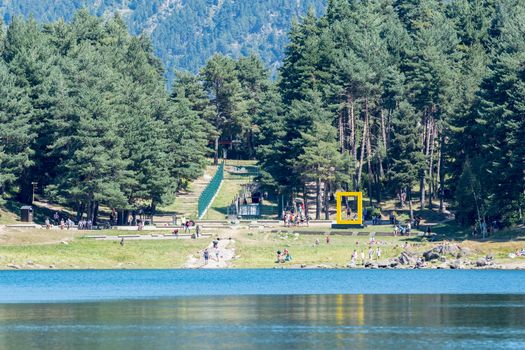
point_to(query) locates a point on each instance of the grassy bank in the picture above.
(90, 254)
(254, 248)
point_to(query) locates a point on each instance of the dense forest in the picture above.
(186, 33)
(85, 118)
(417, 100)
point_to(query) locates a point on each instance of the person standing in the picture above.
(206, 256)
(56, 218)
(370, 254)
(198, 231)
(378, 253)
(354, 257)
(362, 257)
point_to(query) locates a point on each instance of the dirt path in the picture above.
(225, 252)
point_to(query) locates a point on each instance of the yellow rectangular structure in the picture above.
(358, 220)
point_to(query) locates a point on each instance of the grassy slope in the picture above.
(6, 217)
(231, 186)
(83, 253)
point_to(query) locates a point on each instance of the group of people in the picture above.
(290, 219)
(283, 256)
(517, 253)
(215, 250)
(373, 254)
(67, 223)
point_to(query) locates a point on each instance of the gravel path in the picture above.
(220, 257)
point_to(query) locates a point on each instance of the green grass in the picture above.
(7, 217)
(87, 254)
(219, 208)
(258, 250)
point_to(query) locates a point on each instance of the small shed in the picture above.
(26, 213)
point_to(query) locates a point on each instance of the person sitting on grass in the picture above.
(287, 256)
(279, 257)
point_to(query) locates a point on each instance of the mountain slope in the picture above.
(186, 33)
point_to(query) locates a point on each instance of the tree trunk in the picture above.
(362, 156)
(216, 151)
(80, 210)
(383, 128)
(95, 213)
(352, 127)
(431, 168)
(369, 163)
(441, 175)
(153, 210)
(318, 199)
(305, 199)
(326, 201)
(341, 130)
(426, 140)
(90, 209)
(409, 193)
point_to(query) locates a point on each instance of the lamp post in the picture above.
(34, 183)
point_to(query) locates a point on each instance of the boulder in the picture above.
(431, 255)
(406, 258)
(370, 265)
(481, 263)
(489, 257)
(463, 252)
(455, 265)
(14, 266)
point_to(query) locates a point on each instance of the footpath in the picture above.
(220, 257)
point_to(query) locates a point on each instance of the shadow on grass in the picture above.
(39, 213)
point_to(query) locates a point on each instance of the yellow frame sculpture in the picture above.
(339, 202)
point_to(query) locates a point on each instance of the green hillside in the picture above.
(185, 33)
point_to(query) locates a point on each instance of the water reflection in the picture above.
(262, 322)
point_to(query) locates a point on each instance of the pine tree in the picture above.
(220, 81)
(408, 161)
(15, 130)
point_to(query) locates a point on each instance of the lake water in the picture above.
(262, 309)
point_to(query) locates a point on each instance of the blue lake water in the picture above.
(262, 309)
